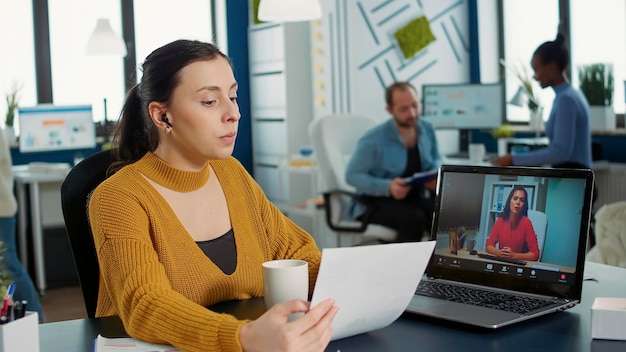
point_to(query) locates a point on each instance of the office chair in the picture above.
(610, 247)
(334, 138)
(540, 225)
(75, 192)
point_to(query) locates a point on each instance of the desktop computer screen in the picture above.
(463, 106)
(52, 127)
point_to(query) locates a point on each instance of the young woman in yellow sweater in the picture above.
(180, 225)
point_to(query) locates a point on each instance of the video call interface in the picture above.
(472, 204)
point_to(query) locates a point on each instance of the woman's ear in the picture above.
(554, 68)
(156, 111)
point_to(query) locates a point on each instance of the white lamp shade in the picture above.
(519, 98)
(104, 41)
(289, 10)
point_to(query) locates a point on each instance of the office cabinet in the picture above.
(281, 110)
(302, 189)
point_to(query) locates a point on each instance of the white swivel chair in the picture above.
(334, 138)
(610, 226)
(540, 225)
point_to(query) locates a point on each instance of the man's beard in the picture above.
(406, 124)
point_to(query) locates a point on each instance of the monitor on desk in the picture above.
(52, 127)
(463, 105)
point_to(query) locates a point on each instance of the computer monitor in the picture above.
(463, 106)
(51, 127)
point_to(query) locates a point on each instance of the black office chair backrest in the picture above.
(75, 191)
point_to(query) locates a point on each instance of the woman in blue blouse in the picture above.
(567, 127)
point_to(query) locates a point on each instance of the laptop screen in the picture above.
(517, 228)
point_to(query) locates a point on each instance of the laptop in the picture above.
(470, 279)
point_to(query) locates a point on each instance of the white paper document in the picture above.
(371, 285)
(104, 344)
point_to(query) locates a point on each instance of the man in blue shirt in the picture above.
(385, 155)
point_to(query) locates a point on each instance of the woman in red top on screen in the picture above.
(513, 231)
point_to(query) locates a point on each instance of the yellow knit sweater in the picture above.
(156, 278)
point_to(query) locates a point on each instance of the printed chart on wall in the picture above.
(48, 128)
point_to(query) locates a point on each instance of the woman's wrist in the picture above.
(243, 336)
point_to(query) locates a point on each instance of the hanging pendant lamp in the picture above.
(289, 10)
(104, 41)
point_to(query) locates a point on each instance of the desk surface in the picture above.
(40, 172)
(566, 331)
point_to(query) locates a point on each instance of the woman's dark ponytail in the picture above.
(135, 134)
(560, 39)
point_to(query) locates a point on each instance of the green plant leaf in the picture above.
(12, 99)
(596, 83)
(5, 280)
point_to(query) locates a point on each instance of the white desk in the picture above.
(49, 179)
(464, 161)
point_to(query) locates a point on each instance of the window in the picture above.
(81, 79)
(158, 22)
(76, 77)
(527, 24)
(598, 34)
(17, 62)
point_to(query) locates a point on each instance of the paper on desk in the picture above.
(105, 344)
(371, 285)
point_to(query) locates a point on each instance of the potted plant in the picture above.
(528, 91)
(596, 84)
(5, 280)
(12, 98)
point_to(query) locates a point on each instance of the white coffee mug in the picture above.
(284, 280)
(476, 153)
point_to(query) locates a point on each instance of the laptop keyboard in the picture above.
(478, 297)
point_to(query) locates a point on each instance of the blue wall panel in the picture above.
(237, 27)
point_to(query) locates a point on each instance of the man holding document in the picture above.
(385, 160)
